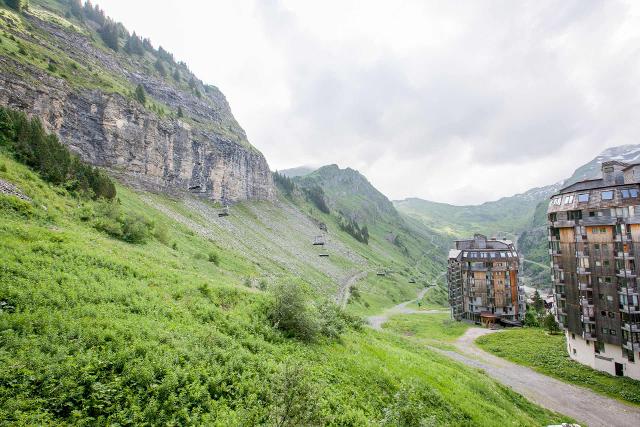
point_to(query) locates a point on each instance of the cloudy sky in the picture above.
(454, 101)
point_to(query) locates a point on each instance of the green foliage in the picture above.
(176, 75)
(550, 324)
(351, 227)
(129, 227)
(180, 113)
(160, 68)
(294, 399)
(45, 154)
(133, 45)
(538, 303)
(18, 5)
(416, 404)
(214, 258)
(15, 206)
(548, 354)
(110, 35)
(531, 318)
(141, 95)
(161, 233)
(291, 311)
(315, 194)
(284, 183)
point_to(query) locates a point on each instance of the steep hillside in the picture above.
(122, 104)
(175, 328)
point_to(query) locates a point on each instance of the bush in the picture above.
(161, 233)
(136, 229)
(131, 228)
(294, 398)
(417, 404)
(531, 318)
(16, 206)
(214, 258)
(550, 324)
(292, 312)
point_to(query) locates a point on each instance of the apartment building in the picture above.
(482, 276)
(594, 246)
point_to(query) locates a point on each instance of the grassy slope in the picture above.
(431, 329)
(105, 331)
(547, 354)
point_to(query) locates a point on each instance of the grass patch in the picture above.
(432, 329)
(547, 354)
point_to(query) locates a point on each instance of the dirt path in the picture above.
(536, 263)
(344, 289)
(579, 403)
(376, 322)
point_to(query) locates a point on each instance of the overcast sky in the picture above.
(452, 101)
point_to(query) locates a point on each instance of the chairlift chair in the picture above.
(318, 241)
(224, 212)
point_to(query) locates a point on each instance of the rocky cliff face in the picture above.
(206, 153)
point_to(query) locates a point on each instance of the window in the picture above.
(607, 195)
(592, 213)
(574, 215)
(627, 193)
(553, 217)
(583, 198)
(612, 332)
(573, 336)
(568, 199)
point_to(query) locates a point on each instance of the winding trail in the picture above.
(376, 322)
(344, 289)
(580, 403)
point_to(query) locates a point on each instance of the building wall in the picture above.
(583, 351)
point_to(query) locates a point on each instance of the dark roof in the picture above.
(588, 184)
(631, 165)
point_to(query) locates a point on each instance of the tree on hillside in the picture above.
(160, 67)
(531, 319)
(109, 34)
(18, 5)
(180, 113)
(76, 8)
(141, 95)
(538, 303)
(133, 46)
(176, 75)
(550, 324)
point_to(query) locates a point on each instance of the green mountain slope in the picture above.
(94, 330)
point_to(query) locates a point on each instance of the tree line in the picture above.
(30, 144)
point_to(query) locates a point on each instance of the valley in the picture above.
(154, 270)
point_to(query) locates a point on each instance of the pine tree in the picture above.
(176, 75)
(109, 34)
(134, 46)
(76, 8)
(160, 67)
(17, 5)
(141, 95)
(551, 324)
(538, 303)
(180, 113)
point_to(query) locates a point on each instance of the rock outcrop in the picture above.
(206, 153)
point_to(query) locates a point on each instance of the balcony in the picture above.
(585, 287)
(631, 327)
(599, 220)
(584, 254)
(633, 346)
(588, 320)
(623, 255)
(589, 336)
(628, 291)
(564, 223)
(622, 238)
(629, 308)
(583, 270)
(626, 273)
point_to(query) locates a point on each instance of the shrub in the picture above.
(141, 95)
(214, 258)
(531, 318)
(3, 167)
(550, 324)
(174, 246)
(417, 404)
(136, 229)
(294, 398)
(16, 206)
(161, 233)
(291, 311)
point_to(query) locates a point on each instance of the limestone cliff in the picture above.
(205, 152)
